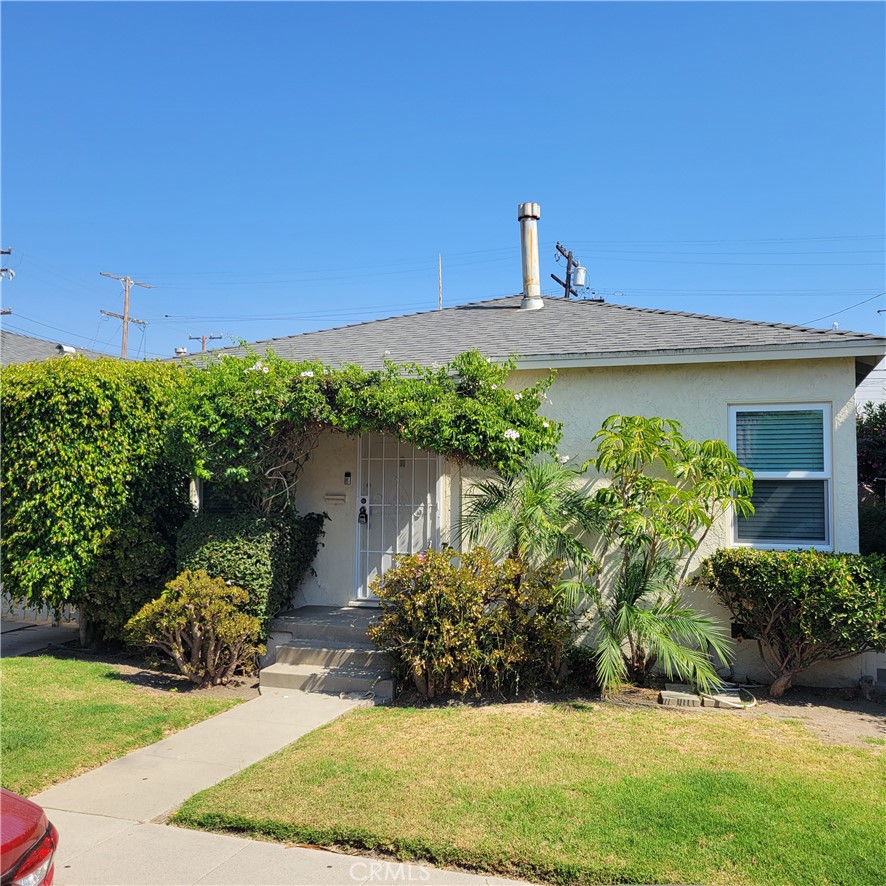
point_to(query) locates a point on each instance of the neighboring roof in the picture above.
(17, 348)
(564, 332)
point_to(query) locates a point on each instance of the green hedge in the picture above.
(803, 606)
(872, 528)
(266, 556)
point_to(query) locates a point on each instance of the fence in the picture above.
(16, 610)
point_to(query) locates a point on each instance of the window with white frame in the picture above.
(789, 450)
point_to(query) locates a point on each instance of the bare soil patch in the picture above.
(153, 676)
(834, 716)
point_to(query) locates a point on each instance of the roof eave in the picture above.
(824, 350)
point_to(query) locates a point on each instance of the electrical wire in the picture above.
(843, 310)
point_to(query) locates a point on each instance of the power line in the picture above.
(843, 310)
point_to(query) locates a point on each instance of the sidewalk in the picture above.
(20, 638)
(108, 818)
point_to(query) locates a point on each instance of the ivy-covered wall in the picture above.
(96, 455)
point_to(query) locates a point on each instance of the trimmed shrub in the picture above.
(198, 623)
(802, 606)
(474, 625)
(82, 459)
(267, 556)
(872, 528)
(133, 563)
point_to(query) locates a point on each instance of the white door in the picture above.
(397, 509)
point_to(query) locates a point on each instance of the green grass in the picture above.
(63, 716)
(572, 794)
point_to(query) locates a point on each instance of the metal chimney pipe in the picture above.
(528, 215)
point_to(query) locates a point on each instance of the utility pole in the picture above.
(6, 272)
(203, 339)
(571, 262)
(439, 281)
(127, 282)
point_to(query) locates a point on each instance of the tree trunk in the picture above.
(89, 632)
(781, 685)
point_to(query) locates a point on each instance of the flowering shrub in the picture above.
(468, 626)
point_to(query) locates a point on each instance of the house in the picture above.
(782, 396)
(17, 348)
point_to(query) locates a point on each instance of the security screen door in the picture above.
(398, 489)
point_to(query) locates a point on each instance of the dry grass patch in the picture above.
(584, 794)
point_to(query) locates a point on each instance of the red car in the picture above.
(28, 841)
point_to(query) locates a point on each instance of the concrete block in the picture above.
(679, 699)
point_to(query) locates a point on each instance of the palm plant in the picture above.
(644, 622)
(534, 517)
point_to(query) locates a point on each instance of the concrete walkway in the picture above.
(108, 818)
(20, 638)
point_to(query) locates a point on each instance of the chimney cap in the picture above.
(528, 210)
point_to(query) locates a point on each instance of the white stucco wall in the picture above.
(697, 395)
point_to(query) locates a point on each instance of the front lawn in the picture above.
(573, 794)
(63, 716)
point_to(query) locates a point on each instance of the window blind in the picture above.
(783, 440)
(786, 512)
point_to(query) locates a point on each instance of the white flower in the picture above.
(257, 367)
(511, 434)
(307, 374)
(545, 424)
(495, 387)
(518, 396)
(264, 369)
(325, 372)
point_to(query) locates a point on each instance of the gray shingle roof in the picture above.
(563, 328)
(17, 348)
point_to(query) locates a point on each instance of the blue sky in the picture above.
(278, 167)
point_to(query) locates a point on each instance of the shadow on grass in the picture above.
(138, 670)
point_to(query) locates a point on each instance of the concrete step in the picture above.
(347, 625)
(312, 678)
(329, 654)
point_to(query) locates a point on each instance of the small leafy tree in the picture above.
(663, 495)
(802, 607)
(199, 624)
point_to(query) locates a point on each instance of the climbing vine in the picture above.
(249, 424)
